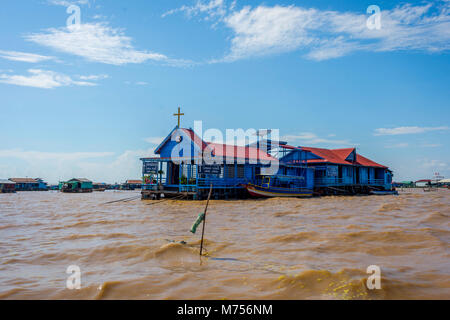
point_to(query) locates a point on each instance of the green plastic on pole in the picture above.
(197, 222)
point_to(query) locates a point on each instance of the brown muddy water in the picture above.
(315, 248)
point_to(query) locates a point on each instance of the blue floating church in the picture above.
(187, 166)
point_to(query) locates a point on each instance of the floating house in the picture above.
(341, 171)
(132, 185)
(404, 184)
(42, 184)
(99, 186)
(187, 166)
(76, 185)
(7, 186)
(444, 183)
(423, 183)
(29, 184)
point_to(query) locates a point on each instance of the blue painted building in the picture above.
(187, 166)
(346, 171)
(7, 186)
(29, 184)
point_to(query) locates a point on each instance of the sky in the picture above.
(88, 87)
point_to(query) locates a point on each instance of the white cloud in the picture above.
(54, 166)
(57, 156)
(66, 3)
(94, 77)
(154, 140)
(23, 56)
(433, 164)
(431, 145)
(212, 9)
(308, 138)
(264, 30)
(125, 166)
(398, 145)
(407, 130)
(137, 83)
(42, 79)
(98, 42)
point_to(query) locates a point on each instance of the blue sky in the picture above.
(88, 100)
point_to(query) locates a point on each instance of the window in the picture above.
(320, 173)
(349, 171)
(240, 171)
(229, 171)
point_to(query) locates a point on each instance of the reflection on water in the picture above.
(259, 249)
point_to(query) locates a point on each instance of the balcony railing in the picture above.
(318, 182)
(221, 182)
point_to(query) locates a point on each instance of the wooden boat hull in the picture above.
(384, 193)
(77, 191)
(271, 192)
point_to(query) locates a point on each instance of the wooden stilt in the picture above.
(204, 219)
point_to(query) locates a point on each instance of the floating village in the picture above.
(188, 167)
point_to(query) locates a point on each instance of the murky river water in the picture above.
(315, 248)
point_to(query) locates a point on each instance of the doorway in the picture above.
(174, 173)
(357, 175)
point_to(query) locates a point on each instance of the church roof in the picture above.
(221, 150)
(339, 156)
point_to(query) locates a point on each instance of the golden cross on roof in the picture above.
(179, 114)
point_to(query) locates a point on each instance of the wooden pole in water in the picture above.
(204, 219)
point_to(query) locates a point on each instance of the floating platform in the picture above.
(76, 191)
(384, 193)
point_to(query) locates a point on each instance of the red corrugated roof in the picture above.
(194, 137)
(228, 151)
(134, 181)
(23, 180)
(245, 152)
(338, 156)
(286, 146)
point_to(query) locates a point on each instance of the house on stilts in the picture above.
(344, 171)
(187, 166)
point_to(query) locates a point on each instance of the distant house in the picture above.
(25, 184)
(76, 185)
(423, 183)
(444, 182)
(29, 184)
(42, 184)
(99, 186)
(7, 186)
(132, 184)
(404, 184)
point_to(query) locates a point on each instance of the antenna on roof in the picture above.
(263, 132)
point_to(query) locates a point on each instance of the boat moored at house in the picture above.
(76, 185)
(99, 186)
(132, 184)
